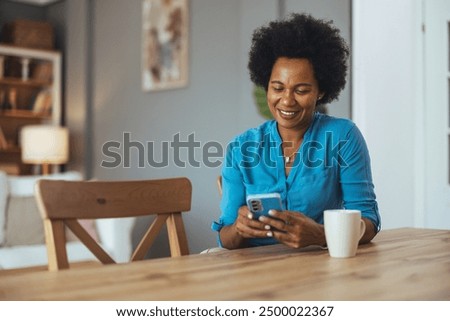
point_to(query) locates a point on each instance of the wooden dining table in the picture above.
(399, 264)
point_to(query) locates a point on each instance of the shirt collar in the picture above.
(276, 135)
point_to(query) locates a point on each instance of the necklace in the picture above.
(290, 158)
(287, 159)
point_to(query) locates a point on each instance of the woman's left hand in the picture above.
(294, 229)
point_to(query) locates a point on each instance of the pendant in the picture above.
(287, 159)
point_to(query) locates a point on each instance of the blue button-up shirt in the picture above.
(331, 170)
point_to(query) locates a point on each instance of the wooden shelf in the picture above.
(11, 150)
(11, 154)
(12, 162)
(42, 88)
(28, 52)
(20, 113)
(11, 81)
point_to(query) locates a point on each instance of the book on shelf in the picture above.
(42, 71)
(3, 141)
(43, 102)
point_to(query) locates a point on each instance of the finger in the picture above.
(276, 214)
(245, 212)
(257, 235)
(247, 220)
(281, 220)
(274, 222)
(281, 215)
(257, 224)
(260, 231)
(285, 238)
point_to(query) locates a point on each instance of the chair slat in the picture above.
(55, 239)
(177, 235)
(219, 184)
(89, 242)
(149, 237)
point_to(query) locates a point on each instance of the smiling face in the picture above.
(292, 94)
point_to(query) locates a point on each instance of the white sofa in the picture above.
(21, 229)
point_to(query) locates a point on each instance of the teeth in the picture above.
(287, 113)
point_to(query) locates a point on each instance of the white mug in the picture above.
(343, 230)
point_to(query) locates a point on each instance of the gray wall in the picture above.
(340, 13)
(255, 13)
(78, 81)
(208, 107)
(10, 11)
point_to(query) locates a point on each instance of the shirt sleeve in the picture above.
(356, 177)
(233, 190)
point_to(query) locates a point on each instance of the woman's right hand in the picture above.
(235, 236)
(247, 227)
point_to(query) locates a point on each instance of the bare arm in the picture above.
(370, 232)
(230, 238)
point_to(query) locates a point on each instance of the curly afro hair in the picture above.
(301, 36)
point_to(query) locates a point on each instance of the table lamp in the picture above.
(44, 145)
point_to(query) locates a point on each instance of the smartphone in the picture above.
(261, 204)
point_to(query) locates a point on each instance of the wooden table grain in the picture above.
(399, 264)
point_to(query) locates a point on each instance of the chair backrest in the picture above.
(219, 184)
(62, 203)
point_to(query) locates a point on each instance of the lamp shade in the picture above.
(44, 144)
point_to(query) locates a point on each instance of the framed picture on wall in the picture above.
(165, 45)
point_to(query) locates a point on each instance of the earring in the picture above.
(319, 98)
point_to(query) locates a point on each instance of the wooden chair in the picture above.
(219, 184)
(64, 202)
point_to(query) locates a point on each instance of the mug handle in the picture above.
(362, 227)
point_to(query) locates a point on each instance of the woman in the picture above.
(315, 162)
